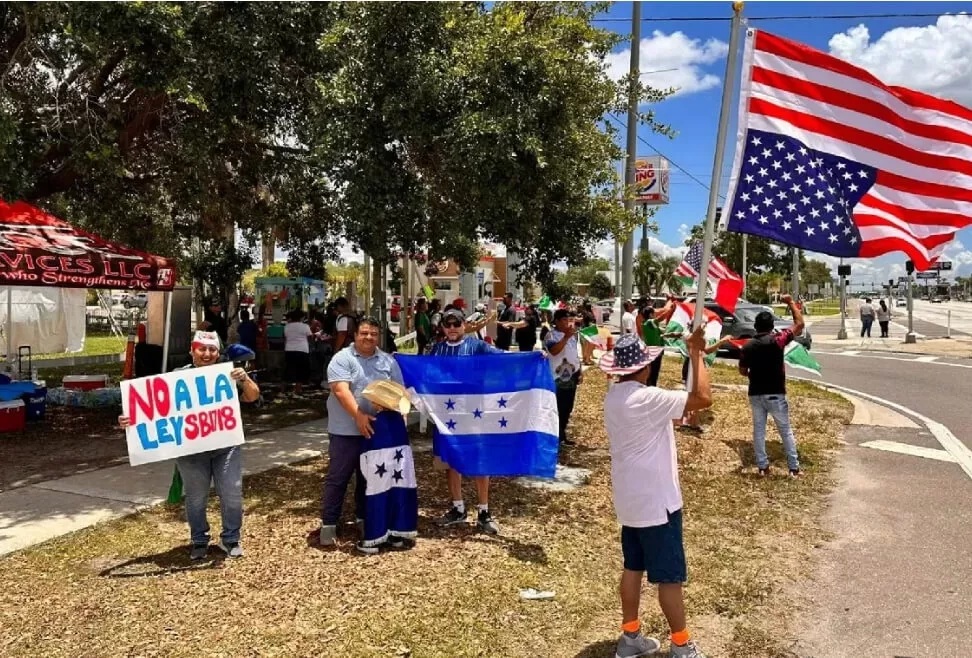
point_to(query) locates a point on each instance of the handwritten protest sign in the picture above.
(181, 413)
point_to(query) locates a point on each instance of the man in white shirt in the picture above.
(644, 479)
(628, 319)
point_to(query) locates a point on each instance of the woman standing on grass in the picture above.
(296, 350)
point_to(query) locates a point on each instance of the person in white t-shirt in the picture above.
(628, 320)
(296, 350)
(644, 480)
(560, 344)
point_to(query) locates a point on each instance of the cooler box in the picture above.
(36, 402)
(85, 382)
(13, 416)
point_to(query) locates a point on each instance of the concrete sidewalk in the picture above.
(825, 335)
(31, 515)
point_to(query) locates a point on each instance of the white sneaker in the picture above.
(637, 646)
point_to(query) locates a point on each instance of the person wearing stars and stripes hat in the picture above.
(644, 483)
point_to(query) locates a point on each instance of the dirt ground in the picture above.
(127, 587)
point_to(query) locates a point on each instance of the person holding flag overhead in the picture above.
(645, 486)
(762, 361)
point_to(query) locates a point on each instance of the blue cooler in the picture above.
(36, 402)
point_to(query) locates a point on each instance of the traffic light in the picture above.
(891, 283)
(843, 270)
(909, 267)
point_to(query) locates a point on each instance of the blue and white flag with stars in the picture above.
(391, 497)
(494, 414)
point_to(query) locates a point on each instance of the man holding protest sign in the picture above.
(179, 415)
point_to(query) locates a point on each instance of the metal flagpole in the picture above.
(910, 336)
(8, 329)
(727, 92)
(168, 329)
(795, 283)
(627, 252)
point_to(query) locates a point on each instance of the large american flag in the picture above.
(832, 160)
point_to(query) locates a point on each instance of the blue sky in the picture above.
(919, 52)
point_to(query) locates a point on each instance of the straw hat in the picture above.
(388, 395)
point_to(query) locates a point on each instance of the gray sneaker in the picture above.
(231, 548)
(634, 647)
(328, 536)
(359, 523)
(687, 651)
(199, 552)
(453, 517)
(486, 523)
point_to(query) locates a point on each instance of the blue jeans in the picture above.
(224, 467)
(866, 323)
(779, 408)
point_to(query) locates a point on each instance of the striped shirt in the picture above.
(468, 346)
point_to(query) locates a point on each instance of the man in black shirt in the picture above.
(762, 361)
(213, 319)
(504, 335)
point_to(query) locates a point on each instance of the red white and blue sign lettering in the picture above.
(181, 413)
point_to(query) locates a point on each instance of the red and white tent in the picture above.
(38, 249)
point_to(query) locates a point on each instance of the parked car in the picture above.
(741, 323)
(135, 300)
(902, 302)
(937, 300)
(608, 306)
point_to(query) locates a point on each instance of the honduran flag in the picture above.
(682, 319)
(391, 497)
(494, 414)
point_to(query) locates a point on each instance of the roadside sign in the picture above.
(941, 265)
(652, 180)
(902, 279)
(927, 275)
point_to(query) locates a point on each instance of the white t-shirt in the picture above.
(627, 323)
(566, 364)
(644, 466)
(295, 337)
(342, 323)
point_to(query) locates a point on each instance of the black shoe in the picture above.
(568, 442)
(795, 473)
(452, 517)
(367, 550)
(400, 543)
(486, 523)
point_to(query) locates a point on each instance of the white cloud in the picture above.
(684, 230)
(605, 249)
(677, 59)
(936, 59)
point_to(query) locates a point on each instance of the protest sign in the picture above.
(181, 413)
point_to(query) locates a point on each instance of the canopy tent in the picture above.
(38, 249)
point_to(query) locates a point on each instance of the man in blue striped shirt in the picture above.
(457, 343)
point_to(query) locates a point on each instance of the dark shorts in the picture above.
(296, 367)
(656, 550)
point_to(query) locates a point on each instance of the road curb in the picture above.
(944, 436)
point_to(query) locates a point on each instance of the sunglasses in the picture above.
(452, 324)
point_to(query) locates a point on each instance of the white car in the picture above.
(901, 303)
(135, 300)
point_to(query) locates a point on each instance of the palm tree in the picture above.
(654, 273)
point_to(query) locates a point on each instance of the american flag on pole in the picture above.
(726, 283)
(832, 160)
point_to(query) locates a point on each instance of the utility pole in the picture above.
(910, 336)
(627, 256)
(842, 272)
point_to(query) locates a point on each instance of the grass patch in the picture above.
(95, 344)
(127, 587)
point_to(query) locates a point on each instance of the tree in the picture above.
(150, 123)
(586, 271)
(762, 255)
(559, 289)
(816, 272)
(760, 287)
(450, 123)
(600, 287)
(654, 274)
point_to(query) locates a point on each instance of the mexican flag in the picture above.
(681, 320)
(797, 356)
(596, 336)
(546, 304)
(794, 355)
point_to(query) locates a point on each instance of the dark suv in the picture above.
(741, 324)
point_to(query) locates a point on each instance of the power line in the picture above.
(772, 18)
(670, 161)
